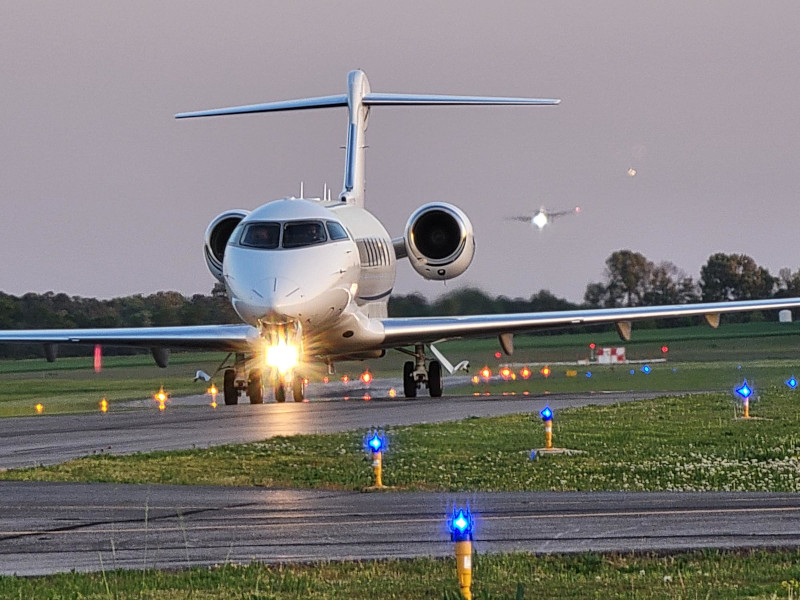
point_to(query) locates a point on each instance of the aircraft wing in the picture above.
(414, 330)
(201, 337)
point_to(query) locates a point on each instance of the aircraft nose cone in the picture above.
(278, 295)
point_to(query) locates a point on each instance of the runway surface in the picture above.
(53, 527)
(191, 422)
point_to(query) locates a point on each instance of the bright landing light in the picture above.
(282, 357)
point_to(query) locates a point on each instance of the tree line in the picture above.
(630, 279)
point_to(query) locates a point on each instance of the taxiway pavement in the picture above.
(54, 527)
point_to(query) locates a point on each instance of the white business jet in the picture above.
(311, 278)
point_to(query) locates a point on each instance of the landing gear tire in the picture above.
(229, 391)
(280, 390)
(435, 379)
(409, 382)
(254, 389)
(298, 388)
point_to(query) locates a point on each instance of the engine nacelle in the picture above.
(439, 241)
(217, 236)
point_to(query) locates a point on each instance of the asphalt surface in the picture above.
(53, 527)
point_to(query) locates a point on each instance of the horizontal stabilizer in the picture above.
(373, 99)
(301, 104)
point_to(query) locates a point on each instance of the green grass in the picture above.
(689, 442)
(70, 385)
(663, 377)
(708, 574)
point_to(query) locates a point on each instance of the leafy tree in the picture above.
(734, 277)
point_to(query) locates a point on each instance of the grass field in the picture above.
(709, 574)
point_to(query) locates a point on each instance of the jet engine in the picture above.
(217, 236)
(439, 241)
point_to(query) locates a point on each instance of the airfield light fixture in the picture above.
(525, 372)
(633, 372)
(505, 373)
(646, 369)
(745, 391)
(588, 373)
(664, 349)
(366, 377)
(486, 373)
(392, 392)
(375, 441)
(547, 417)
(545, 371)
(104, 405)
(39, 408)
(345, 378)
(461, 523)
(475, 379)
(791, 383)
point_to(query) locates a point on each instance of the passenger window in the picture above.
(261, 235)
(303, 233)
(336, 231)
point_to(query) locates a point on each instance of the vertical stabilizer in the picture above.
(355, 151)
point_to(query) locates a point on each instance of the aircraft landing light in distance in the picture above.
(544, 217)
(311, 278)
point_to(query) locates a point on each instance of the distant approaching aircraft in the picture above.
(544, 216)
(311, 278)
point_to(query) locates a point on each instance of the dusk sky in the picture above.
(105, 194)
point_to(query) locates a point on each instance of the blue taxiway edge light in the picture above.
(646, 369)
(460, 522)
(744, 390)
(791, 382)
(546, 413)
(376, 441)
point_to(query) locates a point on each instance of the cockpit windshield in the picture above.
(270, 235)
(303, 233)
(261, 235)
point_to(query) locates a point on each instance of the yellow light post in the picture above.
(745, 391)
(376, 442)
(547, 417)
(461, 524)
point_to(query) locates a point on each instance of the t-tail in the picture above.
(358, 100)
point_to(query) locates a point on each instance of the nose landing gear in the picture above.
(415, 374)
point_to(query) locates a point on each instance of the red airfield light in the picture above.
(592, 346)
(497, 355)
(664, 349)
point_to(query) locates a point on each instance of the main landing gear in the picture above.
(250, 381)
(415, 375)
